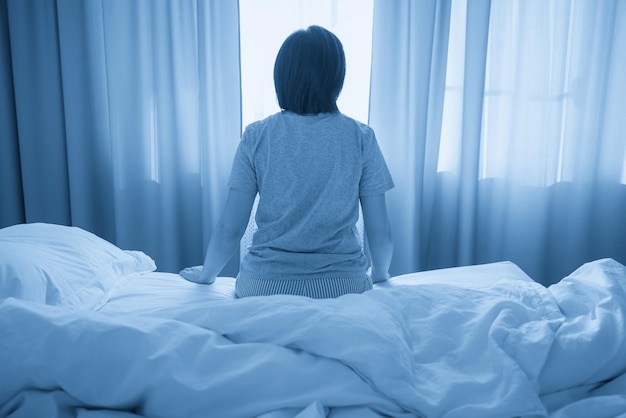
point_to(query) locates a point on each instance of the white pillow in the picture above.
(63, 265)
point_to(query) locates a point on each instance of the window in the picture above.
(264, 25)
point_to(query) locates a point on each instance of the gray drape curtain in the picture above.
(502, 122)
(121, 118)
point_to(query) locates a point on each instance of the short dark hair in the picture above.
(309, 71)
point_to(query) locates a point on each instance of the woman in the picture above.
(310, 165)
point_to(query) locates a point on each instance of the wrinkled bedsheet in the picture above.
(435, 350)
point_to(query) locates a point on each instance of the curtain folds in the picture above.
(500, 121)
(409, 50)
(11, 194)
(121, 118)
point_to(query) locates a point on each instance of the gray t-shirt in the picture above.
(309, 171)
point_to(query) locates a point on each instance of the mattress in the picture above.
(159, 292)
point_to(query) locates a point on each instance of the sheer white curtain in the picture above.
(121, 118)
(266, 24)
(503, 124)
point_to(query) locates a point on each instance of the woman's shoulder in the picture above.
(258, 124)
(356, 129)
(253, 130)
(351, 122)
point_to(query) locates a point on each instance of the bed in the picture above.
(90, 330)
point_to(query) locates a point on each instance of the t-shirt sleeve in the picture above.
(375, 177)
(242, 174)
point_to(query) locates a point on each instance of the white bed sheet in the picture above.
(469, 276)
(159, 292)
(500, 346)
(382, 352)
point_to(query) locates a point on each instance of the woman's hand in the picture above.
(194, 274)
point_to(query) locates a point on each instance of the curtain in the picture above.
(121, 118)
(503, 124)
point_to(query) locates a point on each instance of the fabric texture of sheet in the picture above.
(156, 291)
(382, 352)
(468, 276)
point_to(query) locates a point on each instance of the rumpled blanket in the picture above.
(435, 350)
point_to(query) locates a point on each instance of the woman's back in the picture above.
(309, 173)
(310, 166)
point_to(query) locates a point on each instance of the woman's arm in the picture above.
(225, 238)
(378, 234)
